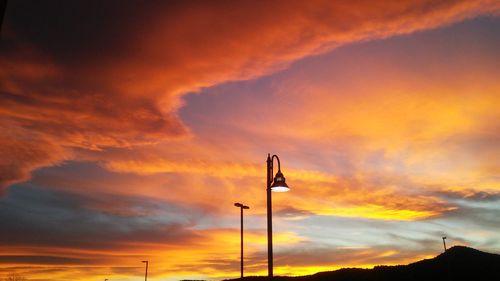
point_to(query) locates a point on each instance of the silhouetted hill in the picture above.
(458, 263)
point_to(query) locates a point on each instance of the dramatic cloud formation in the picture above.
(130, 129)
(89, 75)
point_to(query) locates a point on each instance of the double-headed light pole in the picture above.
(241, 206)
(276, 185)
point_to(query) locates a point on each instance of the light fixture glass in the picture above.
(279, 184)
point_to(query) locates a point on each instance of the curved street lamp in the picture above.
(241, 206)
(276, 185)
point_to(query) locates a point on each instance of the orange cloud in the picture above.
(121, 86)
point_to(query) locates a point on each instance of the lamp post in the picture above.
(276, 185)
(241, 206)
(444, 243)
(146, 276)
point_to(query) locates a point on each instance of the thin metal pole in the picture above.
(444, 243)
(269, 218)
(241, 206)
(146, 277)
(241, 242)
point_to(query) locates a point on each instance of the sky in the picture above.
(129, 129)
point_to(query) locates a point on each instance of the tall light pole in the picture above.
(146, 276)
(278, 185)
(241, 206)
(444, 243)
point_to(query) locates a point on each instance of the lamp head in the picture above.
(279, 184)
(239, 205)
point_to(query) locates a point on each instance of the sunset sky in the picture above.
(130, 128)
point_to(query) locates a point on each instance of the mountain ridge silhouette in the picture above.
(457, 263)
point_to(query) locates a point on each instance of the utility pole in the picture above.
(444, 243)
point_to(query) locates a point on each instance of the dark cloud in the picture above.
(40, 260)
(475, 217)
(470, 195)
(61, 220)
(292, 213)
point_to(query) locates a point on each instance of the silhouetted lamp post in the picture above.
(276, 185)
(241, 206)
(146, 276)
(444, 243)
